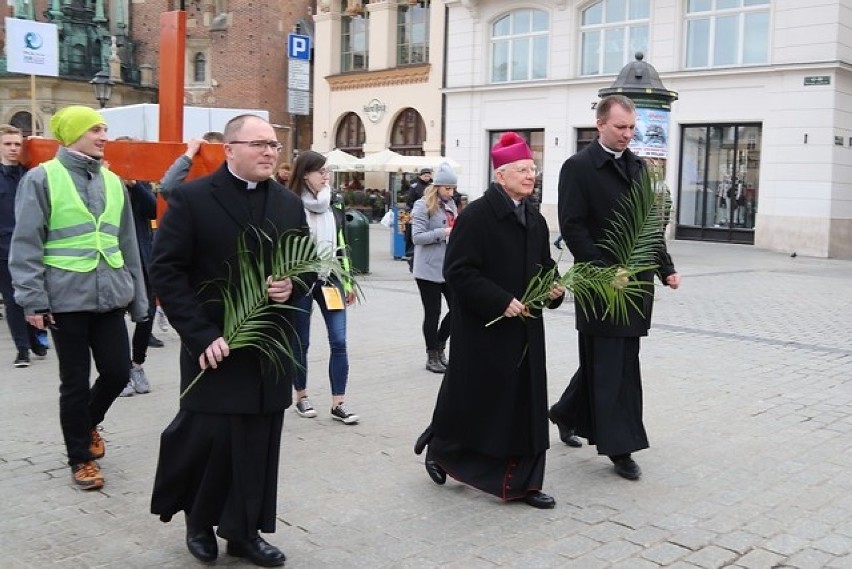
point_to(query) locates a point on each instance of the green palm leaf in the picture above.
(634, 240)
(250, 319)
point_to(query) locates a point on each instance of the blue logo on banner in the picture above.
(299, 47)
(33, 40)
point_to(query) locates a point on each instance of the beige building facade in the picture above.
(378, 73)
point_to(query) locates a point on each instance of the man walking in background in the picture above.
(11, 172)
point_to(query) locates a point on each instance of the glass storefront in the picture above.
(719, 182)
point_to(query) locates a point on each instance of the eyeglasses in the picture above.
(273, 145)
(323, 171)
(526, 170)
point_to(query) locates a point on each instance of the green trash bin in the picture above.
(358, 240)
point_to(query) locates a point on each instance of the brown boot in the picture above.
(433, 362)
(442, 355)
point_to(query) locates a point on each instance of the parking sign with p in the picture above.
(299, 47)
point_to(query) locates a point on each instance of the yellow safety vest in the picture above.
(75, 238)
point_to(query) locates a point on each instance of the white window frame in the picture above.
(511, 38)
(628, 53)
(742, 11)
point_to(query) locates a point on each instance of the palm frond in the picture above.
(250, 319)
(634, 241)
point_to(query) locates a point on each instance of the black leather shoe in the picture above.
(155, 342)
(422, 441)
(540, 500)
(436, 473)
(566, 433)
(201, 542)
(258, 551)
(626, 467)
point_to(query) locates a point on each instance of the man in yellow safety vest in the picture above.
(75, 267)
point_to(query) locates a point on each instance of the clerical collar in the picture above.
(249, 185)
(611, 151)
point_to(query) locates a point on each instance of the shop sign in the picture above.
(811, 80)
(375, 110)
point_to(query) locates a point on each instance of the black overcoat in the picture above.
(196, 243)
(591, 183)
(493, 398)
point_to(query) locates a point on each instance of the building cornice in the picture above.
(382, 78)
(606, 80)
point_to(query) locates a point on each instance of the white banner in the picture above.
(32, 47)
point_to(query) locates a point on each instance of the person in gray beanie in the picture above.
(432, 219)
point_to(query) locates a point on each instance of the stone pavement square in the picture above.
(748, 405)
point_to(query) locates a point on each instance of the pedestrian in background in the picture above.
(179, 169)
(603, 401)
(432, 220)
(309, 181)
(415, 192)
(11, 172)
(143, 202)
(489, 428)
(76, 269)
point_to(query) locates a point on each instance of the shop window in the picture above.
(350, 135)
(412, 18)
(611, 32)
(723, 33)
(408, 133)
(354, 44)
(519, 46)
(719, 181)
(535, 140)
(585, 136)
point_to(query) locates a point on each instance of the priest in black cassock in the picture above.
(489, 428)
(219, 456)
(603, 401)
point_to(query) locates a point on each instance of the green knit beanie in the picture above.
(70, 123)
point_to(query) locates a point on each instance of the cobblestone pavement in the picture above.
(748, 404)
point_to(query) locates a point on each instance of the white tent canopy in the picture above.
(340, 161)
(389, 161)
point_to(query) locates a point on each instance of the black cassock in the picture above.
(219, 457)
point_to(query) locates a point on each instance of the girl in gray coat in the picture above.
(432, 219)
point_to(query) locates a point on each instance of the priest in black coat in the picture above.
(489, 428)
(219, 457)
(603, 401)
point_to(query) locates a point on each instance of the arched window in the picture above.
(611, 32)
(23, 121)
(408, 134)
(350, 135)
(199, 68)
(78, 64)
(519, 46)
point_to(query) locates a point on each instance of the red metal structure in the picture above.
(149, 160)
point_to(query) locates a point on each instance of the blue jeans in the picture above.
(335, 323)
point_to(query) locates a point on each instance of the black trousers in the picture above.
(430, 296)
(78, 338)
(142, 330)
(22, 333)
(603, 401)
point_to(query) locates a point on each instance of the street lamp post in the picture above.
(103, 87)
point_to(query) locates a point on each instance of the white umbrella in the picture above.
(340, 161)
(377, 162)
(402, 163)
